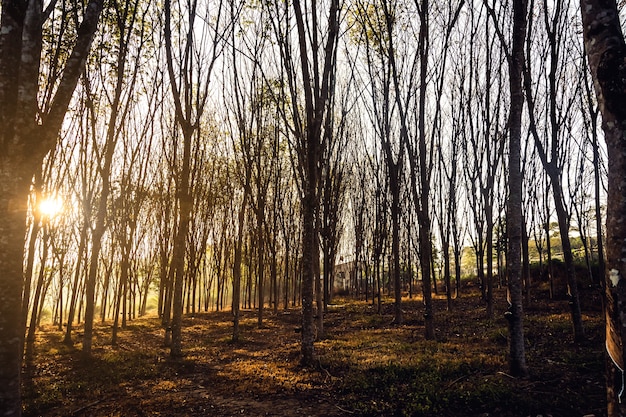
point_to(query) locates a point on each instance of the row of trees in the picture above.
(229, 154)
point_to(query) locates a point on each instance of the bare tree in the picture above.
(333, 194)
(125, 18)
(486, 139)
(191, 54)
(308, 70)
(552, 151)
(128, 202)
(242, 143)
(447, 167)
(514, 52)
(517, 356)
(378, 25)
(590, 119)
(421, 162)
(83, 188)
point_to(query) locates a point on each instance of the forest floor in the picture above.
(367, 366)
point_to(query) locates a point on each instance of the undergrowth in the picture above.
(367, 367)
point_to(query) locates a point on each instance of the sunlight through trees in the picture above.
(167, 159)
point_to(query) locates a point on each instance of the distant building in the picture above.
(345, 277)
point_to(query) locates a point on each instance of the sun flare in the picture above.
(51, 206)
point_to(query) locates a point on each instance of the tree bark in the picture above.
(105, 172)
(30, 259)
(515, 314)
(23, 144)
(316, 89)
(423, 213)
(606, 52)
(34, 317)
(77, 274)
(394, 185)
(180, 245)
(241, 218)
(14, 189)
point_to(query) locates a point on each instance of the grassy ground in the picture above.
(367, 366)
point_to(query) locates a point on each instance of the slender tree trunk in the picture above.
(598, 203)
(286, 278)
(261, 259)
(317, 91)
(98, 232)
(319, 292)
(515, 314)
(433, 272)
(180, 245)
(572, 285)
(480, 268)
(423, 214)
(445, 247)
(308, 272)
(236, 302)
(489, 277)
(549, 260)
(395, 243)
(112, 136)
(163, 270)
(30, 262)
(274, 279)
(166, 318)
(74, 297)
(30, 338)
(119, 296)
(525, 262)
(60, 297)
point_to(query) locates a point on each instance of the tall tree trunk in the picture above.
(598, 203)
(525, 262)
(606, 51)
(553, 167)
(261, 256)
(241, 218)
(572, 285)
(30, 262)
(188, 81)
(30, 338)
(445, 247)
(180, 245)
(394, 184)
(23, 145)
(515, 314)
(32, 241)
(112, 135)
(119, 296)
(77, 274)
(319, 293)
(423, 213)
(489, 277)
(308, 270)
(317, 83)
(100, 228)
